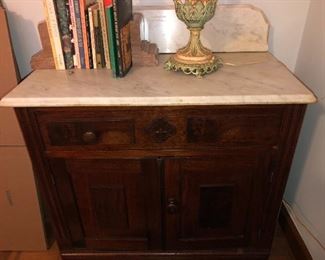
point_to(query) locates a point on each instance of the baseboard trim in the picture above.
(294, 238)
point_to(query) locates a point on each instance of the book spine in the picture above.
(92, 36)
(54, 33)
(111, 36)
(117, 38)
(99, 41)
(63, 19)
(73, 50)
(104, 33)
(83, 15)
(76, 57)
(90, 56)
(79, 34)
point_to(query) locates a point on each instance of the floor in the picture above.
(280, 251)
(280, 248)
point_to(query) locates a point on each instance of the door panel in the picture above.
(117, 200)
(208, 200)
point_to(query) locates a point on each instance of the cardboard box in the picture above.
(21, 226)
(10, 133)
(21, 221)
(8, 71)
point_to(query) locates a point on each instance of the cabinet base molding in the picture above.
(204, 255)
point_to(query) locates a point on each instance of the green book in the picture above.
(122, 10)
(111, 37)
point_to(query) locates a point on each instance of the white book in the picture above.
(54, 33)
(91, 11)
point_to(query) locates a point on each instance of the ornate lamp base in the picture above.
(198, 70)
(194, 58)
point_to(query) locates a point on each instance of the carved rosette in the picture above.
(160, 130)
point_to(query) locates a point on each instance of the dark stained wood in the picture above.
(146, 128)
(233, 129)
(112, 198)
(282, 159)
(215, 199)
(160, 130)
(214, 180)
(297, 244)
(104, 132)
(63, 185)
(44, 181)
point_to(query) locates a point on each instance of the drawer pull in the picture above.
(89, 137)
(172, 206)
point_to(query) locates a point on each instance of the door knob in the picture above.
(89, 137)
(172, 206)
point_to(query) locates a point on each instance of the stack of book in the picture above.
(90, 34)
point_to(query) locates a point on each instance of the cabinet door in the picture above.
(118, 201)
(215, 201)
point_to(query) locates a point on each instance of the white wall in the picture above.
(23, 17)
(306, 186)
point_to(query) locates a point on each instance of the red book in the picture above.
(83, 11)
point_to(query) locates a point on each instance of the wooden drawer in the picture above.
(157, 128)
(233, 129)
(96, 133)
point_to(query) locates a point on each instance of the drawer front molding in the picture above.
(157, 128)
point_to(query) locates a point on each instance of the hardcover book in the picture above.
(104, 32)
(54, 33)
(80, 40)
(89, 51)
(63, 14)
(100, 52)
(84, 4)
(122, 18)
(76, 56)
(111, 36)
(92, 14)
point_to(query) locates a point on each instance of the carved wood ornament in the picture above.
(160, 130)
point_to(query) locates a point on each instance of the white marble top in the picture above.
(246, 78)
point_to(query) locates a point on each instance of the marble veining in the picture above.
(246, 78)
(234, 28)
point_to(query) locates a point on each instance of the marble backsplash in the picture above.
(234, 28)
